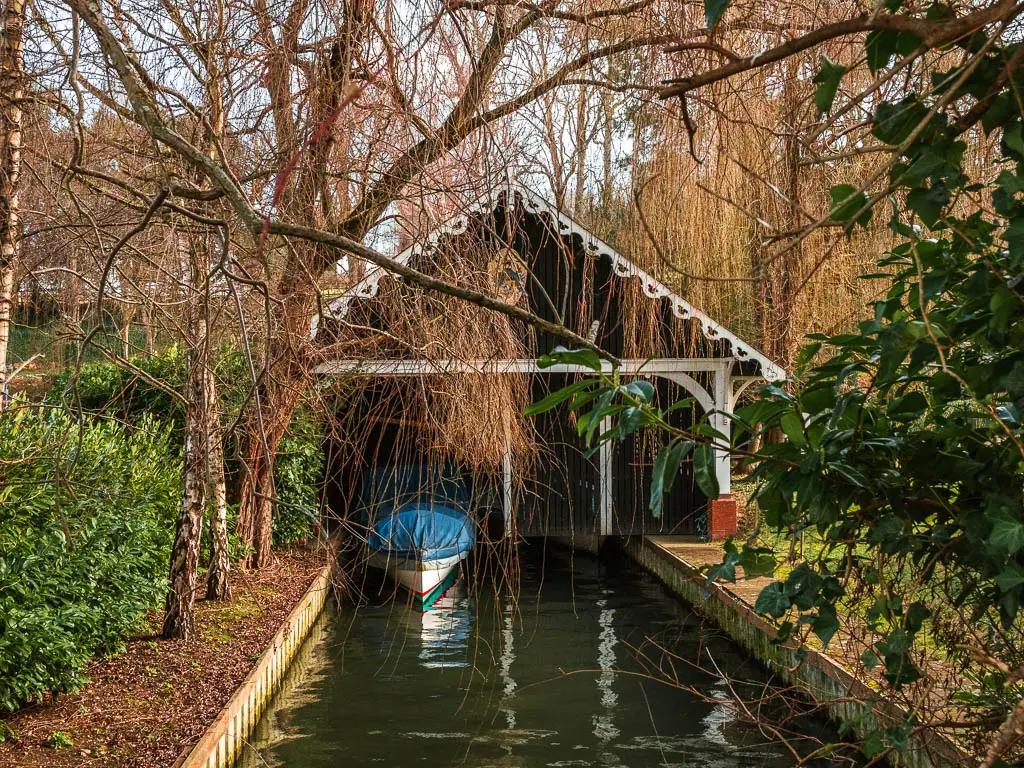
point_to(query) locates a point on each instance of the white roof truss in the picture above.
(621, 266)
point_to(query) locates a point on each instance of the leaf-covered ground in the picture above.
(146, 705)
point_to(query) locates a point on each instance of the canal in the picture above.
(588, 662)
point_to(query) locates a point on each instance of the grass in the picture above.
(59, 349)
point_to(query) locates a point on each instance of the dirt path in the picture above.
(144, 706)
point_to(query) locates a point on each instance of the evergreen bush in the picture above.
(120, 393)
(87, 511)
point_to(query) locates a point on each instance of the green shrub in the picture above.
(297, 475)
(115, 391)
(122, 394)
(87, 515)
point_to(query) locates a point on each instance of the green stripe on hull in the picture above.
(425, 602)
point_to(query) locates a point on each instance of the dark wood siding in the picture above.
(570, 284)
(683, 508)
(562, 493)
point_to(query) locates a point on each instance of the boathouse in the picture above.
(517, 246)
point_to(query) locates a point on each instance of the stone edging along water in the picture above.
(821, 677)
(221, 745)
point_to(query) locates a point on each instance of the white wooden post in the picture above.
(507, 505)
(605, 527)
(721, 423)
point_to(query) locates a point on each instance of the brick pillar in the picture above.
(722, 517)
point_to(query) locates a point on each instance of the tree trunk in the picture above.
(179, 619)
(218, 583)
(147, 326)
(780, 344)
(279, 396)
(12, 92)
(607, 193)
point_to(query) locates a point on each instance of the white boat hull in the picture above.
(419, 577)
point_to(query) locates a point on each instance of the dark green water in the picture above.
(563, 674)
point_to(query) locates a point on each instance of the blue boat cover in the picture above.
(424, 532)
(417, 511)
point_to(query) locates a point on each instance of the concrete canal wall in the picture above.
(222, 743)
(822, 678)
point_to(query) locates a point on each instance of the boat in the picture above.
(420, 526)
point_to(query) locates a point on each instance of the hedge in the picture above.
(118, 392)
(87, 512)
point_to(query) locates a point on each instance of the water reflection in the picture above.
(444, 630)
(553, 676)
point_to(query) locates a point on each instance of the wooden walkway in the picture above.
(679, 562)
(698, 555)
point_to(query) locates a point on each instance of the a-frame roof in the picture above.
(623, 268)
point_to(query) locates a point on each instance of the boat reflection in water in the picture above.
(562, 673)
(444, 629)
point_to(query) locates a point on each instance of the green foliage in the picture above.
(87, 515)
(904, 441)
(629, 408)
(118, 392)
(714, 10)
(298, 471)
(59, 740)
(827, 79)
(847, 203)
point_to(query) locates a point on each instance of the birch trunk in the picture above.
(12, 93)
(218, 583)
(179, 618)
(581, 151)
(608, 108)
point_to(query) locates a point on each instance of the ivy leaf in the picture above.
(772, 601)
(803, 586)
(894, 122)
(1011, 578)
(1013, 139)
(873, 745)
(757, 561)
(888, 531)
(882, 44)
(714, 9)
(916, 615)
(704, 470)
(827, 80)
(928, 202)
(846, 202)
(826, 624)
(1007, 531)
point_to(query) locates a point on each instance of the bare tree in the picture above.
(12, 94)
(179, 620)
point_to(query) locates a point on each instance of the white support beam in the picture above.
(606, 510)
(704, 398)
(735, 392)
(507, 505)
(720, 422)
(423, 367)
